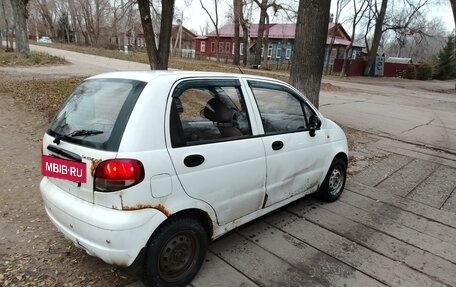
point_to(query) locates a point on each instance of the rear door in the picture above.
(212, 147)
(295, 160)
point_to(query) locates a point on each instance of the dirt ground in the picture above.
(33, 252)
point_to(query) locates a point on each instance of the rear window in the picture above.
(96, 113)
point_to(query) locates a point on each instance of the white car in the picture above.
(145, 168)
(44, 40)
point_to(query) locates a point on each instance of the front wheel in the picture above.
(175, 253)
(334, 182)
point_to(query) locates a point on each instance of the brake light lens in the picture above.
(117, 174)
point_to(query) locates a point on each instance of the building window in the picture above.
(203, 46)
(279, 51)
(227, 47)
(220, 47)
(270, 47)
(288, 52)
(213, 47)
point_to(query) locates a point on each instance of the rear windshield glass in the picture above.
(96, 113)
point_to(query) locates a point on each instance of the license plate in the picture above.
(64, 169)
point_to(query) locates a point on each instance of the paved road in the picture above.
(410, 111)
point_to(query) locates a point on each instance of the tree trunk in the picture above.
(266, 45)
(310, 40)
(158, 58)
(20, 19)
(245, 41)
(237, 7)
(261, 27)
(2, 8)
(165, 34)
(378, 31)
(149, 34)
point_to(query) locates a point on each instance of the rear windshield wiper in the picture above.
(80, 133)
(77, 133)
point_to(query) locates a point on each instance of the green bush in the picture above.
(424, 72)
(410, 72)
(446, 60)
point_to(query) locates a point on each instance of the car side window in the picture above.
(203, 112)
(281, 111)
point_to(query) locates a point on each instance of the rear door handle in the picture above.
(193, 160)
(277, 145)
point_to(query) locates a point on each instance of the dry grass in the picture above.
(44, 96)
(9, 59)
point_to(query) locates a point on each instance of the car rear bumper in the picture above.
(115, 236)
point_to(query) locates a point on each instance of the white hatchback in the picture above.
(146, 168)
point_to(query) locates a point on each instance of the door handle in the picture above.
(277, 145)
(193, 160)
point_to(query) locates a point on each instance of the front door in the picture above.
(294, 158)
(215, 156)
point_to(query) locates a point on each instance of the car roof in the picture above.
(148, 76)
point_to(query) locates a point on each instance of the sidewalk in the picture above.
(394, 225)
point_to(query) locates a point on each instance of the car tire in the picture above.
(334, 183)
(175, 253)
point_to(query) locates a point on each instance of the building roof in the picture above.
(280, 31)
(398, 60)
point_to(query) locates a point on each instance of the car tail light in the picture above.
(117, 174)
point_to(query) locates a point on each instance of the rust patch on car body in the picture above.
(95, 163)
(136, 207)
(163, 209)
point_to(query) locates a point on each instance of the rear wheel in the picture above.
(175, 253)
(334, 183)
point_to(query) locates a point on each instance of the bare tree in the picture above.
(310, 39)
(378, 31)
(264, 5)
(5, 26)
(20, 14)
(245, 37)
(237, 12)
(358, 12)
(47, 10)
(158, 58)
(340, 5)
(420, 44)
(407, 22)
(215, 21)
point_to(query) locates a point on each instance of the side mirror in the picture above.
(314, 124)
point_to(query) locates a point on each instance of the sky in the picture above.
(195, 18)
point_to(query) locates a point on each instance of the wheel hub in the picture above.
(177, 256)
(335, 181)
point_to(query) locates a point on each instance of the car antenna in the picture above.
(240, 70)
